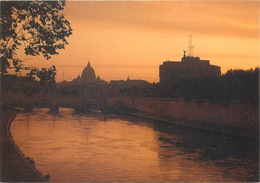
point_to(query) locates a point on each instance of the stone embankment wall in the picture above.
(234, 115)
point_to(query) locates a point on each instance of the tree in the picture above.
(38, 26)
(46, 75)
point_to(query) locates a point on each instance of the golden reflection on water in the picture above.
(86, 148)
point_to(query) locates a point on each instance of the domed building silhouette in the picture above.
(88, 74)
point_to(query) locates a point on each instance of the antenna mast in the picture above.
(190, 47)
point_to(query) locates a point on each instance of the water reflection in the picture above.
(74, 147)
(236, 156)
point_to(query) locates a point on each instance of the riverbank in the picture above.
(14, 166)
(200, 125)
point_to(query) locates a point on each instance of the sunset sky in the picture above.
(124, 39)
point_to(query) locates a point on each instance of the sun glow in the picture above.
(124, 39)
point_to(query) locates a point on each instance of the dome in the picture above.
(88, 74)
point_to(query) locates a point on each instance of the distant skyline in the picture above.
(132, 38)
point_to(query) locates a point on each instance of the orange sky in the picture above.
(124, 39)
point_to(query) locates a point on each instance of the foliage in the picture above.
(235, 85)
(46, 75)
(19, 84)
(39, 26)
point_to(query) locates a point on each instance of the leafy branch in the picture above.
(39, 25)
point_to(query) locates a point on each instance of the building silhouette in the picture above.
(188, 67)
(88, 74)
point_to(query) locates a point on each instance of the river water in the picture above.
(74, 147)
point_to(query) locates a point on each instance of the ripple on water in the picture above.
(84, 148)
